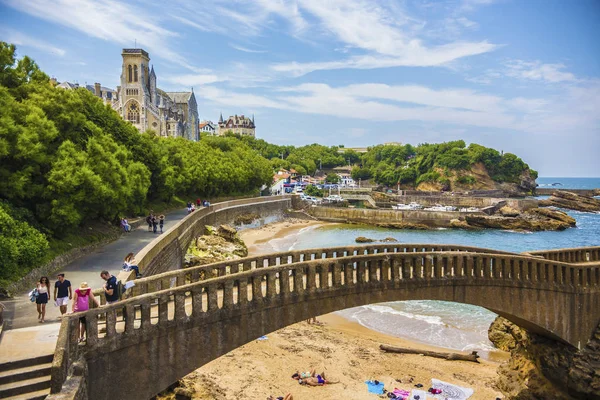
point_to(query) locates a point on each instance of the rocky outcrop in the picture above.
(217, 244)
(571, 201)
(462, 224)
(541, 368)
(535, 219)
(245, 219)
(362, 239)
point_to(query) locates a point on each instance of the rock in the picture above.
(227, 232)
(525, 222)
(462, 224)
(554, 214)
(572, 201)
(389, 240)
(362, 239)
(541, 368)
(183, 393)
(246, 218)
(507, 211)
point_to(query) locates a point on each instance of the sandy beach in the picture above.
(346, 351)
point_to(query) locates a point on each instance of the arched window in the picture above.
(133, 113)
(130, 75)
(135, 78)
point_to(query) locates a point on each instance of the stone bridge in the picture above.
(177, 321)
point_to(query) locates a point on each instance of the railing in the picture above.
(576, 255)
(379, 271)
(194, 274)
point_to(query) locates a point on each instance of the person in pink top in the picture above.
(81, 302)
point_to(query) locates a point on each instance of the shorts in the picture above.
(82, 320)
(42, 298)
(320, 380)
(62, 301)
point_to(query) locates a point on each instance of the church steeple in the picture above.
(221, 118)
(252, 119)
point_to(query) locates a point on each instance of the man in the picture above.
(110, 287)
(62, 293)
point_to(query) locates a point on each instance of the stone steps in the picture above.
(27, 379)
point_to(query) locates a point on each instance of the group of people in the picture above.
(308, 378)
(81, 297)
(154, 222)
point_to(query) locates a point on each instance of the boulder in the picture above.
(404, 225)
(227, 232)
(389, 240)
(362, 239)
(553, 214)
(462, 224)
(507, 211)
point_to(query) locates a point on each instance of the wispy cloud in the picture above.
(538, 71)
(21, 39)
(245, 49)
(110, 20)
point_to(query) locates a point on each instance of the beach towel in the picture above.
(450, 391)
(373, 387)
(401, 394)
(262, 338)
(418, 395)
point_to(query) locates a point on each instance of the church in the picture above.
(169, 114)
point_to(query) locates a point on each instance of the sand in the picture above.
(346, 351)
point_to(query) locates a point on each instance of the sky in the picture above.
(518, 76)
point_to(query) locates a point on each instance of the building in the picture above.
(208, 127)
(141, 102)
(239, 125)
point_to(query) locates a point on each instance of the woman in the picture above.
(129, 264)
(42, 299)
(161, 222)
(81, 302)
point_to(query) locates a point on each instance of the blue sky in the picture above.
(519, 76)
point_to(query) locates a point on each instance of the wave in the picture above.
(434, 320)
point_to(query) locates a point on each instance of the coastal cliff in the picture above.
(541, 368)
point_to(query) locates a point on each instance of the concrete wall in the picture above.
(178, 330)
(583, 192)
(467, 201)
(386, 216)
(167, 251)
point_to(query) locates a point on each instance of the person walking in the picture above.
(81, 302)
(42, 299)
(149, 221)
(62, 293)
(154, 224)
(111, 289)
(161, 222)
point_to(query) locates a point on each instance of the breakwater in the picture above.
(465, 201)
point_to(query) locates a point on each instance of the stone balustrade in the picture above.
(155, 338)
(576, 255)
(181, 277)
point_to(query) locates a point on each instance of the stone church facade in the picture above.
(141, 102)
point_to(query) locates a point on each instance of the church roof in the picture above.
(180, 97)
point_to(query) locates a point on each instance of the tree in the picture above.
(332, 178)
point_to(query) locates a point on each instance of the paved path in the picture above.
(21, 313)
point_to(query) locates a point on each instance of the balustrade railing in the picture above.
(288, 282)
(194, 274)
(576, 255)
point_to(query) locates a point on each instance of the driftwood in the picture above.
(448, 356)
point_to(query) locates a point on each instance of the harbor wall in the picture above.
(464, 201)
(440, 219)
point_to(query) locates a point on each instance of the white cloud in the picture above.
(21, 39)
(193, 79)
(109, 20)
(537, 71)
(244, 49)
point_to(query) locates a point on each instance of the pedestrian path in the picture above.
(21, 313)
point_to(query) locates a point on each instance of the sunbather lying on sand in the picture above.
(287, 397)
(301, 375)
(318, 380)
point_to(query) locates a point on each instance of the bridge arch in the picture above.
(169, 333)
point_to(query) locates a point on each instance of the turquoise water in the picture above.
(445, 324)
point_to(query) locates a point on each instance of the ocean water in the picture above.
(445, 324)
(568, 183)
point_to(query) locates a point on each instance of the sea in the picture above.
(445, 324)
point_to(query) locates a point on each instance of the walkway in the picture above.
(21, 313)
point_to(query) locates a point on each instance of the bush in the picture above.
(429, 177)
(312, 190)
(466, 180)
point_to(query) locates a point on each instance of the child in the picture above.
(161, 222)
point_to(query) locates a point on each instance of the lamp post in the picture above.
(320, 166)
(359, 182)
